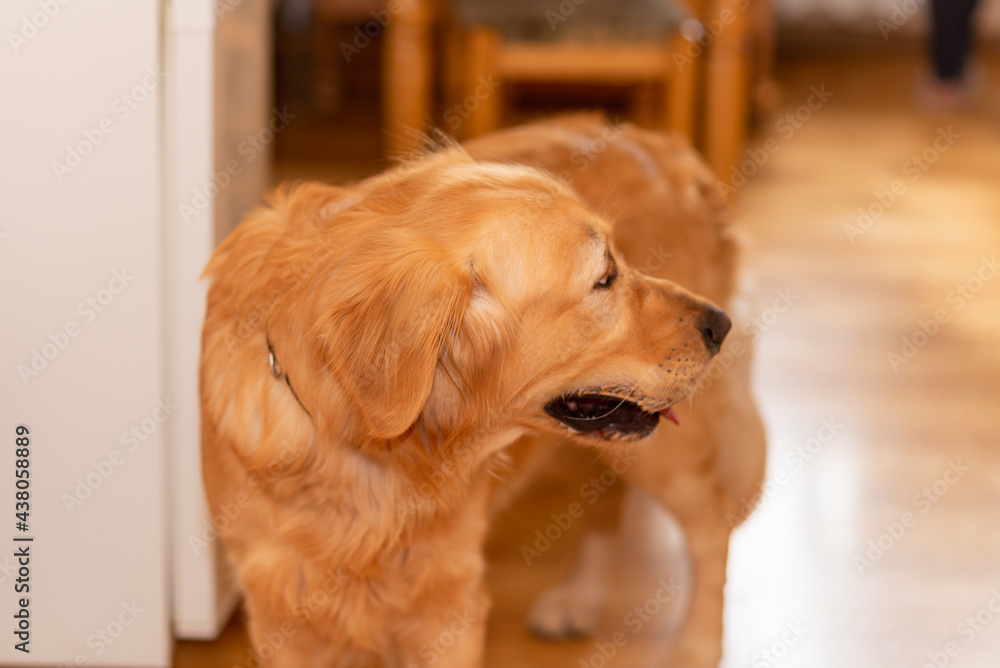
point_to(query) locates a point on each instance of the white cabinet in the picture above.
(218, 146)
(81, 266)
(112, 113)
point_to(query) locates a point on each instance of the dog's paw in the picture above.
(567, 611)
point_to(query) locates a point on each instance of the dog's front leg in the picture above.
(697, 503)
(691, 492)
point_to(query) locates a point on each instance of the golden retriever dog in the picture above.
(374, 355)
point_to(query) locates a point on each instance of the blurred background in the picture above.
(858, 144)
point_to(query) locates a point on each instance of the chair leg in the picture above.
(680, 87)
(406, 77)
(452, 70)
(766, 92)
(482, 96)
(726, 103)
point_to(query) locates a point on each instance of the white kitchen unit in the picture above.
(115, 114)
(218, 136)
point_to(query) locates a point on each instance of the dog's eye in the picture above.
(607, 280)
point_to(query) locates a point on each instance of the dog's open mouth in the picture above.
(606, 415)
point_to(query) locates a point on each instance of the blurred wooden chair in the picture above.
(613, 42)
(707, 88)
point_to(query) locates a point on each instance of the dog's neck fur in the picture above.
(382, 496)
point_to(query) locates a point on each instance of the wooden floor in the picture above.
(878, 544)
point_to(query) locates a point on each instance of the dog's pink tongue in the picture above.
(670, 415)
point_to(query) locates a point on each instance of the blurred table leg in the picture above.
(406, 76)
(727, 104)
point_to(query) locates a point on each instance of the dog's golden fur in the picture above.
(371, 352)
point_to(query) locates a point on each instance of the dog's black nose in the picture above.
(715, 324)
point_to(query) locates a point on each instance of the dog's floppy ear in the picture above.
(388, 309)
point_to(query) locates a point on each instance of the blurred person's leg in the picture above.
(951, 38)
(950, 46)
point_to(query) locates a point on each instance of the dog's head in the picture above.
(450, 296)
